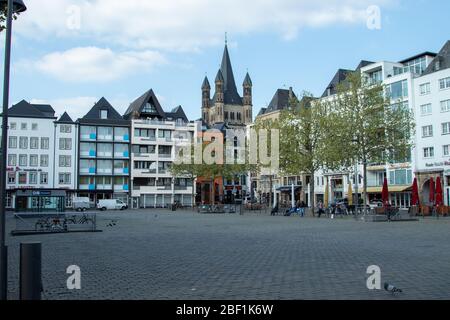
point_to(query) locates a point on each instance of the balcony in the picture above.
(121, 188)
(105, 154)
(165, 155)
(104, 187)
(106, 171)
(105, 138)
(124, 138)
(90, 187)
(88, 154)
(122, 155)
(89, 137)
(88, 171)
(122, 171)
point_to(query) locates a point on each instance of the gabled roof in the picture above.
(65, 118)
(442, 59)
(338, 78)
(262, 111)
(363, 63)
(427, 53)
(177, 113)
(136, 107)
(280, 100)
(46, 109)
(94, 115)
(25, 109)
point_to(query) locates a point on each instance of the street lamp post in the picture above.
(13, 6)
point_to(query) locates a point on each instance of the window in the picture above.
(65, 144)
(425, 88)
(426, 109)
(446, 128)
(34, 160)
(232, 115)
(105, 133)
(45, 143)
(165, 134)
(33, 178)
(446, 150)
(12, 160)
(23, 160)
(428, 152)
(376, 77)
(445, 106)
(34, 126)
(65, 128)
(13, 126)
(44, 178)
(238, 115)
(444, 83)
(22, 178)
(398, 90)
(103, 114)
(64, 178)
(13, 142)
(44, 160)
(226, 115)
(427, 131)
(65, 161)
(23, 143)
(11, 177)
(23, 126)
(149, 108)
(34, 143)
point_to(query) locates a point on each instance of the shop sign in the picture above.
(437, 164)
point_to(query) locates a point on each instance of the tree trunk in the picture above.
(270, 192)
(365, 185)
(312, 199)
(193, 192)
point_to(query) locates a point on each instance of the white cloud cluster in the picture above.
(183, 24)
(143, 32)
(92, 64)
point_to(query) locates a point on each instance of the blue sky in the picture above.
(72, 53)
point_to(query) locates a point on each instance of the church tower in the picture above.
(206, 98)
(226, 105)
(247, 100)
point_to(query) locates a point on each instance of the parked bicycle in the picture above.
(53, 224)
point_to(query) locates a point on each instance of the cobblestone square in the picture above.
(157, 254)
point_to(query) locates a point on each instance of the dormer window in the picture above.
(149, 108)
(103, 114)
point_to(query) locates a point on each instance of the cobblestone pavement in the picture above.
(156, 254)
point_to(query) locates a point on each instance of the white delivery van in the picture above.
(113, 204)
(81, 204)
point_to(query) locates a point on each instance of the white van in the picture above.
(81, 204)
(113, 204)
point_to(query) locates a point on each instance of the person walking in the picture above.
(320, 208)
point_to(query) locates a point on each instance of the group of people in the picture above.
(300, 209)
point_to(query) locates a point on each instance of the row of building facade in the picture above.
(420, 83)
(107, 155)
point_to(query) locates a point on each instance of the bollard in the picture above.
(30, 271)
(4, 273)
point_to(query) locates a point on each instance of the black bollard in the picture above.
(30, 271)
(3, 272)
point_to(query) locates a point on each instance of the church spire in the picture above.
(230, 90)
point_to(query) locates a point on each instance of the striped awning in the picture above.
(391, 189)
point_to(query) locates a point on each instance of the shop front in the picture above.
(40, 201)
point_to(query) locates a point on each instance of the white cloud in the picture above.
(92, 64)
(183, 24)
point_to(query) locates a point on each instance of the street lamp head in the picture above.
(18, 5)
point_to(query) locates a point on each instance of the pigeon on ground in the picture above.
(391, 288)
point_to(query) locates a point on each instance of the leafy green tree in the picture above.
(303, 145)
(369, 126)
